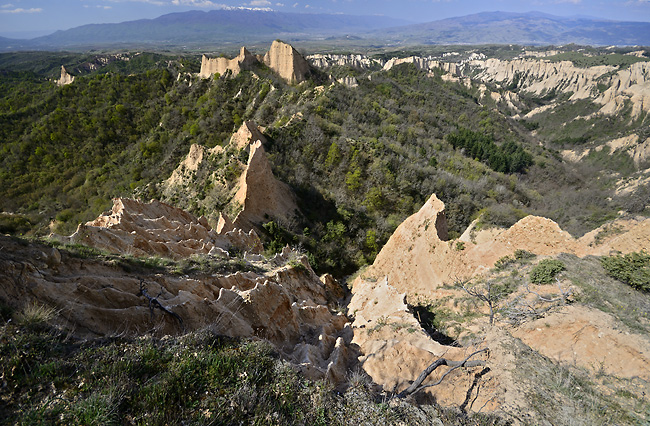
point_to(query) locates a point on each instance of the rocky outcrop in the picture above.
(540, 77)
(210, 66)
(158, 229)
(287, 62)
(395, 348)
(421, 63)
(418, 260)
(247, 134)
(632, 83)
(65, 78)
(285, 305)
(260, 194)
(349, 81)
(355, 61)
(281, 58)
(254, 195)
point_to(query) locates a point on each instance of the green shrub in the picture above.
(632, 268)
(503, 262)
(521, 254)
(14, 224)
(546, 270)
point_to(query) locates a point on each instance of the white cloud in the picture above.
(295, 5)
(279, 4)
(6, 6)
(21, 10)
(260, 3)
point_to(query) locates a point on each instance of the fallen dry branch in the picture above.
(417, 386)
(154, 303)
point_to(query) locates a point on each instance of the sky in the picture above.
(31, 18)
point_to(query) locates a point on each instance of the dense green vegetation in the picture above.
(508, 158)
(360, 160)
(593, 59)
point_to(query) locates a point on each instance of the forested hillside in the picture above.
(360, 159)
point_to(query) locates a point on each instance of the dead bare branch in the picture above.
(155, 303)
(417, 386)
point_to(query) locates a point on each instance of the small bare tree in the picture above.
(489, 291)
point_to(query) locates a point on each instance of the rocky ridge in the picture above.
(355, 61)
(421, 63)
(433, 261)
(282, 58)
(158, 229)
(253, 196)
(244, 61)
(539, 77)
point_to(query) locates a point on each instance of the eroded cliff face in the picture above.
(540, 77)
(253, 196)
(282, 58)
(287, 62)
(423, 64)
(210, 66)
(429, 261)
(356, 61)
(261, 195)
(282, 303)
(158, 229)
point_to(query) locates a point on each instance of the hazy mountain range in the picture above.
(201, 29)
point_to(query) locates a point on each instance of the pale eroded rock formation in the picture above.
(430, 261)
(287, 62)
(65, 78)
(247, 134)
(423, 64)
(210, 66)
(260, 194)
(286, 305)
(356, 61)
(256, 196)
(416, 262)
(349, 81)
(158, 229)
(281, 58)
(541, 76)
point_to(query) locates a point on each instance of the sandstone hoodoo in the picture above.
(253, 197)
(260, 194)
(65, 78)
(287, 62)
